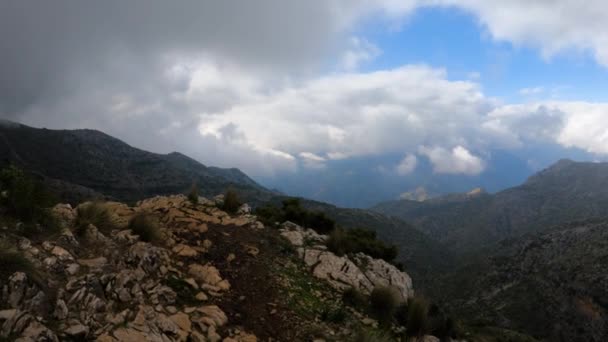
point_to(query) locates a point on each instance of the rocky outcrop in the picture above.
(342, 272)
(114, 287)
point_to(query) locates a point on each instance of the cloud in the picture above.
(312, 161)
(456, 161)
(531, 91)
(360, 51)
(551, 26)
(242, 86)
(356, 114)
(580, 124)
(407, 165)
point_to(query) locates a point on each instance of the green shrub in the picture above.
(95, 213)
(231, 202)
(146, 226)
(193, 194)
(383, 302)
(357, 240)
(25, 198)
(339, 242)
(292, 210)
(417, 318)
(354, 298)
(11, 261)
(269, 214)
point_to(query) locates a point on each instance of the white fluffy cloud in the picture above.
(455, 161)
(553, 26)
(582, 125)
(357, 114)
(407, 165)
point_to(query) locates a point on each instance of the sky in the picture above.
(292, 89)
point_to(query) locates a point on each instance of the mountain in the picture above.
(566, 191)
(551, 285)
(86, 163)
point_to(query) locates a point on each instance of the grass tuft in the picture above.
(146, 226)
(97, 214)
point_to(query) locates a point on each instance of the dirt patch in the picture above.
(254, 300)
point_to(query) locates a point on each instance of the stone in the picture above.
(36, 331)
(339, 272)
(65, 214)
(197, 337)
(93, 263)
(184, 251)
(212, 335)
(50, 262)
(61, 253)
(192, 283)
(182, 321)
(214, 313)
(127, 236)
(129, 335)
(382, 274)
(201, 296)
(72, 269)
(244, 209)
(208, 275)
(61, 310)
(17, 286)
(77, 331)
(67, 237)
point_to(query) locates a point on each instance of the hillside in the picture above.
(422, 255)
(551, 285)
(83, 163)
(564, 192)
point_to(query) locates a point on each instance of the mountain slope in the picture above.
(420, 254)
(564, 192)
(552, 285)
(106, 165)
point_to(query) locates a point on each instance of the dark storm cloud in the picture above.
(48, 47)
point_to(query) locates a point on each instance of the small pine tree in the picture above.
(193, 194)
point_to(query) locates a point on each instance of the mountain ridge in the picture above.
(95, 160)
(565, 191)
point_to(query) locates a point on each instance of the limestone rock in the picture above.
(93, 263)
(65, 214)
(61, 253)
(208, 275)
(382, 274)
(244, 209)
(184, 251)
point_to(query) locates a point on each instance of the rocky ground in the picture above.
(212, 277)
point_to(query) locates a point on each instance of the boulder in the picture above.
(65, 214)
